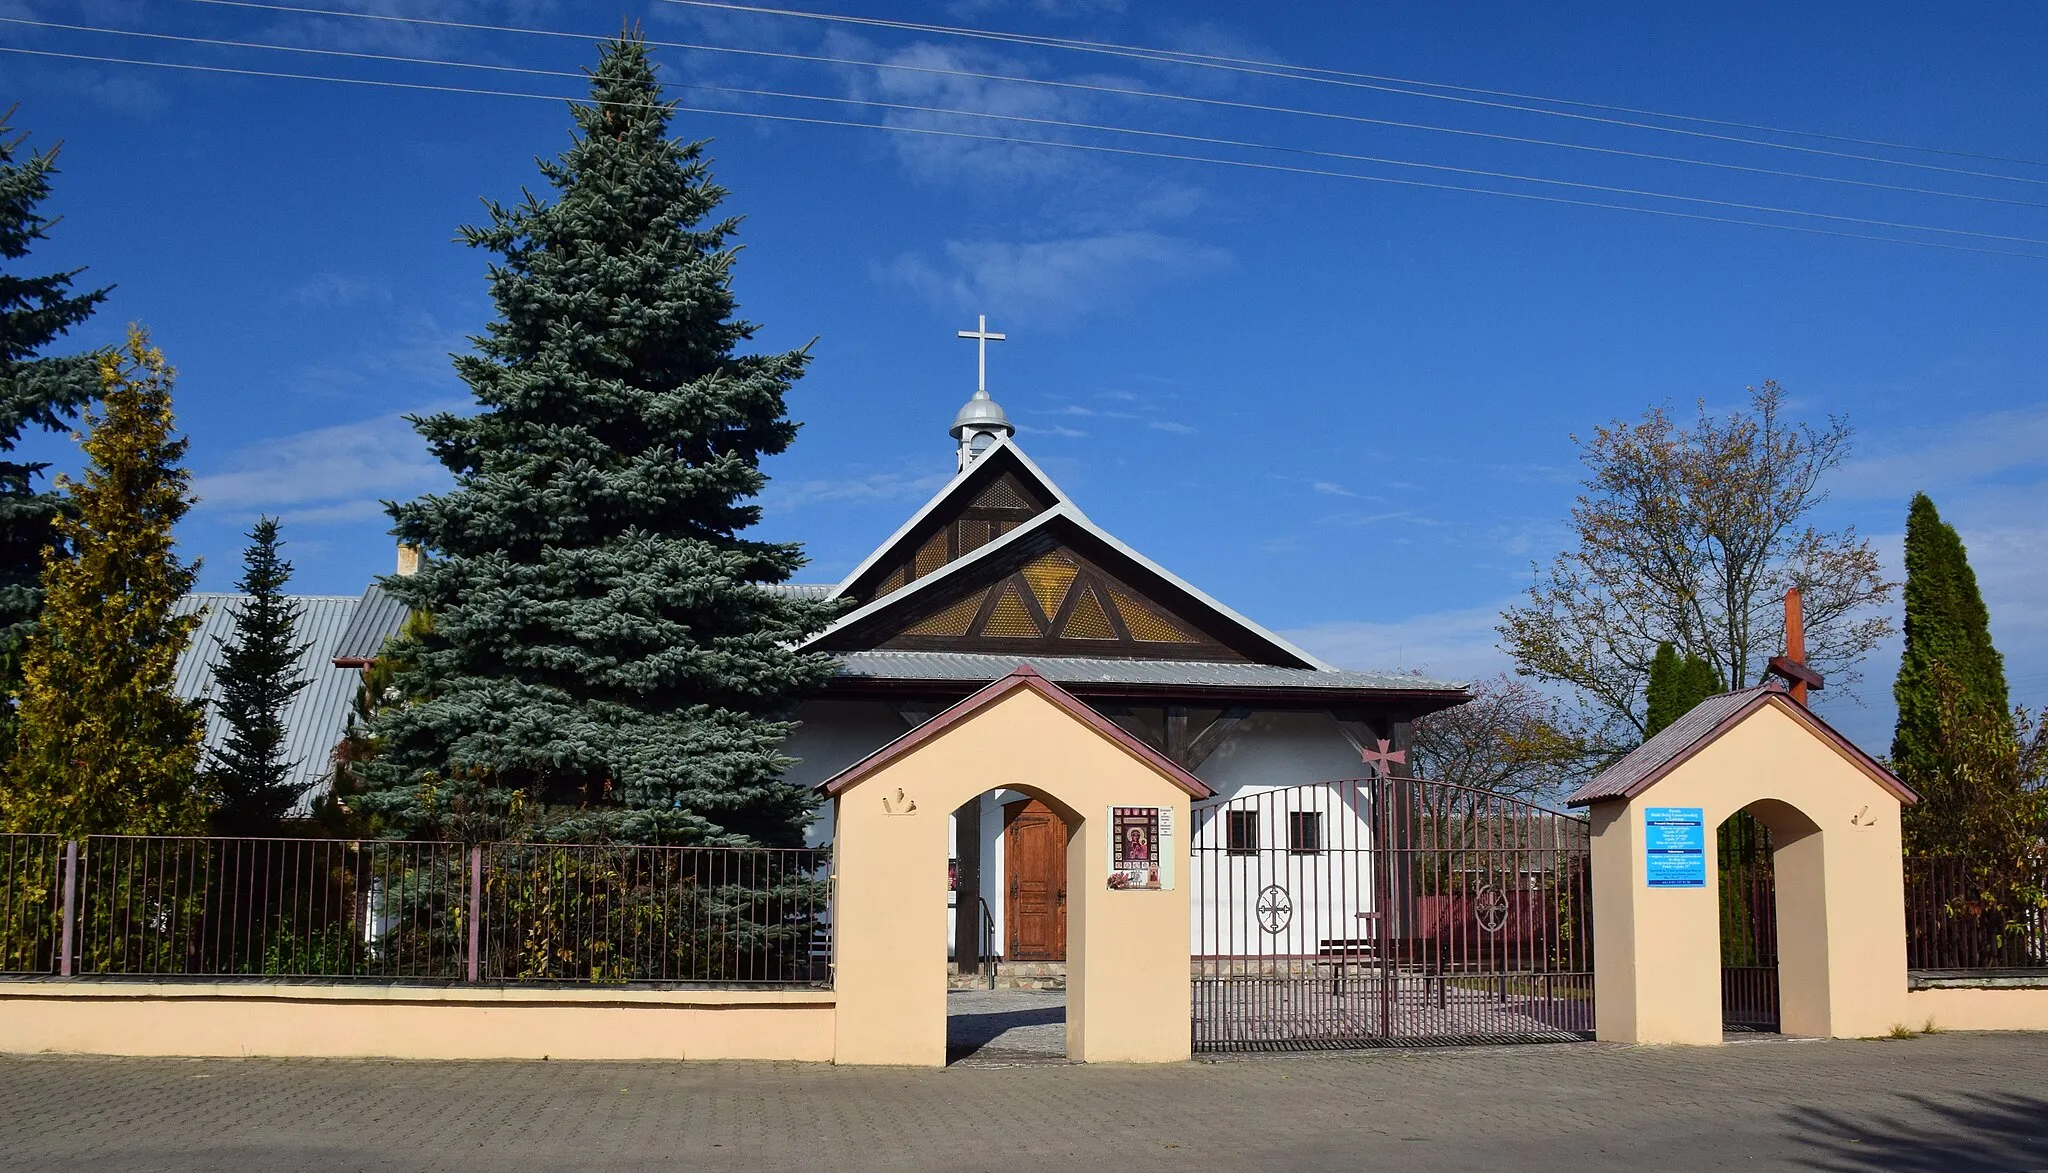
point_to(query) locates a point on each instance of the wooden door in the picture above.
(1035, 867)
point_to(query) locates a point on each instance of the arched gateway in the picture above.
(1124, 806)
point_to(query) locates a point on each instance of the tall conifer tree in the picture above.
(105, 745)
(1677, 683)
(1947, 624)
(603, 657)
(256, 675)
(36, 390)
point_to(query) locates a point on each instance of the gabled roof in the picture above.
(317, 717)
(1066, 522)
(1702, 726)
(1003, 457)
(378, 617)
(1023, 678)
(1081, 672)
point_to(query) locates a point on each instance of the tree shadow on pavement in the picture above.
(968, 1034)
(1996, 1133)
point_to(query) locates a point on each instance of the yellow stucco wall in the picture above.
(1127, 951)
(215, 1019)
(1840, 893)
(1978, 1008)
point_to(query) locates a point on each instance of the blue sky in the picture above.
(1344, 407)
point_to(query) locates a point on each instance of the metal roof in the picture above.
(976, 667)
(802, 590)
(377, 618)
(318, 715)
(1706, 722)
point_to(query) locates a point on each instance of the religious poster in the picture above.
(1140, 848)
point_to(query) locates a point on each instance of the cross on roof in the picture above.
(982, 337)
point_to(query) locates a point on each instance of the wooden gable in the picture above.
(988, 508)
(1052, 595)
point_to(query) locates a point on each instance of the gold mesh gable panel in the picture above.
(892, 583)
(1010, 619)
(953, 620)
(933, 555)
(1150, 625)
(1004, 494)
(973, 536)
(1089, 620)
(1050, 575)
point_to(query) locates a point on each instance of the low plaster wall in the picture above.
(1993, 1005)
(307, 1021)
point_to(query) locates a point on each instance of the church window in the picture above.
(1242, 833)
(1010, 619)
(953, 620)
(1149, 625)
(932, 555)
(1050, 576)
(1304, 832)
(1089, 620)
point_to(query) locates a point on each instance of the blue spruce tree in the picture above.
(604, 661)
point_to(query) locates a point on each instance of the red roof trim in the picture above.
(1025, 677)
(1876, 770)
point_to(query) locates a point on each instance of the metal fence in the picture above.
(1388, 911)
(1956, 919)
(160, 906)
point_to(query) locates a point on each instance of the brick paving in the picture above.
(1952, 1102)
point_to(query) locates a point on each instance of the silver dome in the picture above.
(981, 414)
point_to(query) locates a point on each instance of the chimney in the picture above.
(1792, 665)
(409, 559)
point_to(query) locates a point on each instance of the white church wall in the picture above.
(1329, 890)
(832, 735)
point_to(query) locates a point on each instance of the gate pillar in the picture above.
(1833, 812)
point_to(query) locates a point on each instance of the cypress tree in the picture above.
(1946, 625)
(257, 674)
(1677, 683)
(105, 745)
(603, 660)
(44, 392)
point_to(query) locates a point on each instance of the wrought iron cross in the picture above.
(1386, 755)
(982, 338)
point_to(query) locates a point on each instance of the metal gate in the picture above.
(1749, 926)
(1392, 911)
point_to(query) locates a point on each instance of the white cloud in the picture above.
(1173, 427)
(330, 474)
(1332, 488)
(1052, 280)
(1963, 453)
(783, 495)
(1455, 645)
(337, 289)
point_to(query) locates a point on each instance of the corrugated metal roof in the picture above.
(318, 715)
(378, 616)
(984, 667)
(1671, 743)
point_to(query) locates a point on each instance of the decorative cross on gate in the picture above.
(982, 338)
(1386, 755)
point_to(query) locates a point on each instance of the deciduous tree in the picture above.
(105, 745)
(1690, 534)
(1509, 738)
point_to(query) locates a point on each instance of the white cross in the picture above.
(982, 335)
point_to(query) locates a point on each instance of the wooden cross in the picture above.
(1386, 755)
(982, 336)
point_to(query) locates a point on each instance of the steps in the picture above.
(1013, 975)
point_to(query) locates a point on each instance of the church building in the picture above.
(1001, 569)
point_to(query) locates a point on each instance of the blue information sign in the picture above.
(1675, 841)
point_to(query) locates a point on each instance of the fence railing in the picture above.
(1953, 923)
(159, 906)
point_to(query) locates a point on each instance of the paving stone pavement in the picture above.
(991, 1027)
(1951, 1102)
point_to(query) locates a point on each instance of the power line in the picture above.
(1162, 95)
(1384, 84)
(1095, 148)
(1204, 140)
(1317, 73)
